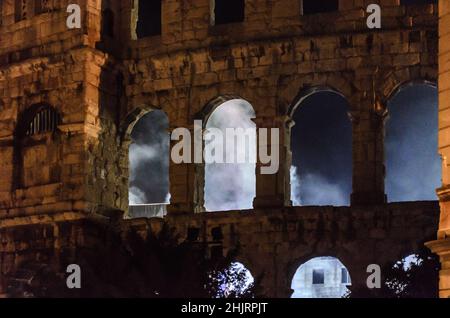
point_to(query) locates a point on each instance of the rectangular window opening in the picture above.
(344, 276)
(319, 6)
(227, 11)
(149, 18)
(318, 277)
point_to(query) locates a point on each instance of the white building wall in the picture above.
(303, 286)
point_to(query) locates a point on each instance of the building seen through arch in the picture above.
(89, 180)
(321, 277)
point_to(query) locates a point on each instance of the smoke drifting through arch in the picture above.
(321, 143)
(231, 186)
(413, 166)
(149, 160)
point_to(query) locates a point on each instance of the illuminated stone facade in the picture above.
(100, 79)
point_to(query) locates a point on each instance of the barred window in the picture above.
(25, 9)
(45, 120)
(21, 10)
(42, 6)
(1, 12)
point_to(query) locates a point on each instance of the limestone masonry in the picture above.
(70, 98)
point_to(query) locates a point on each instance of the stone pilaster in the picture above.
(442, 245)
(368, 157)
(273, 190)
(187, 180)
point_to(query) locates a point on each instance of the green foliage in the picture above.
(403, 279)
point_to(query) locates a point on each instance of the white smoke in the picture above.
(136, 196)
(231, 186)
(139, 154)
(313, 189)
(149, 160)
(413, 166)
(295, 187)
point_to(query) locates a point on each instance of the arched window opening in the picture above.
(413, 165)
(230, 155)
(149, 18)
(321, 277)
(37, 160)
(149, 166)
(321, 144)
(45, 120)
(227, 11)
(319, 6)
(414, 276)
(235, 281)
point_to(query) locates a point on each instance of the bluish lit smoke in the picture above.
(149, 160)
(231, 186)
(413, 166)
(321, 172)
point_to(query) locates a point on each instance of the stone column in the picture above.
(273, 190)
(442, 245)
(187, 181)
(368, 156)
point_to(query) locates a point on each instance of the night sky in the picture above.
(149, 159)
(413, 166)
(322, 151)
(321, 148)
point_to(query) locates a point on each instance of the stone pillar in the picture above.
(187, 181)
(368, 156)
(273, 190)
(442, 245)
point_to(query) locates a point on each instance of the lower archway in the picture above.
(321, 277)
(234, 281)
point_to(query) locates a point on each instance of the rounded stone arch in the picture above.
(401, 86)
(205, 113)
(342, 91)
(298, 89)
(409, 83)
(248, 263)
(129, 121)
(126, 126)
(408, 247)
(25, 117)
(296, 261)
(294, 265)
(306, 92)
(36, 120)
(201, 179)
(394, 81)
